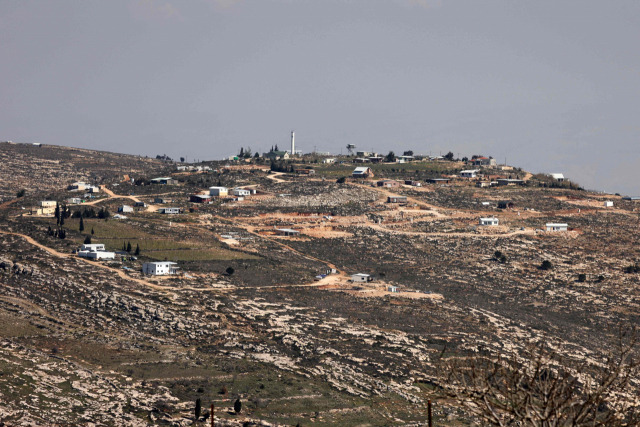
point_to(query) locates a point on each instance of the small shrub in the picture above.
(546, 265)
(582, 277)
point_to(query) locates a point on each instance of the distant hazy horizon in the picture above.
(550, 86)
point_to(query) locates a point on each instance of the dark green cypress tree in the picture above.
(198, 409)
(81, 227)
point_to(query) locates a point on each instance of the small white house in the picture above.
(287, 232)
(551, 226)
(557, 176)
(241, 192)
(392, 289)
(160, 268)
(488, 221)
(361, 277)
(469, 173)
(97, 254)
(328, 161)
(74, 200)
(218, 191)
(92, 247)
(608, 204)
(95, 251)
(362, 172)
(125, 209)
(48, 204)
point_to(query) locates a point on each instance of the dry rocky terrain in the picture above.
(97, 342)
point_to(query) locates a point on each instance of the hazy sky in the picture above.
(553, 86)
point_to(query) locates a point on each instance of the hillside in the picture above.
(252, 315)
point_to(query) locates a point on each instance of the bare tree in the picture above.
(543, 389)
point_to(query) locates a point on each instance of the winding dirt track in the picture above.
(111, 195)
(7, 203)
(274, 176)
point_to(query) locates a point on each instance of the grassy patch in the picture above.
(197, 254)
(13, 327)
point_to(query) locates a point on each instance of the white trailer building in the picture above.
(469, 173)
(241, 192)
(488, 221)
(551, 226)
(361, 277)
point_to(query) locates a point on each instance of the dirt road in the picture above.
(110, 195)
(7, 203)
(274, 176)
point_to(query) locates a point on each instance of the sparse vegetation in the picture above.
(287, 346)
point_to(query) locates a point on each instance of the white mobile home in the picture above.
(170, 211)
(241, 192)
(160, 268)
(608, 204)
(557, 226)
(469, 173)
(488, 221)
(125, 209)
(361, 277)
